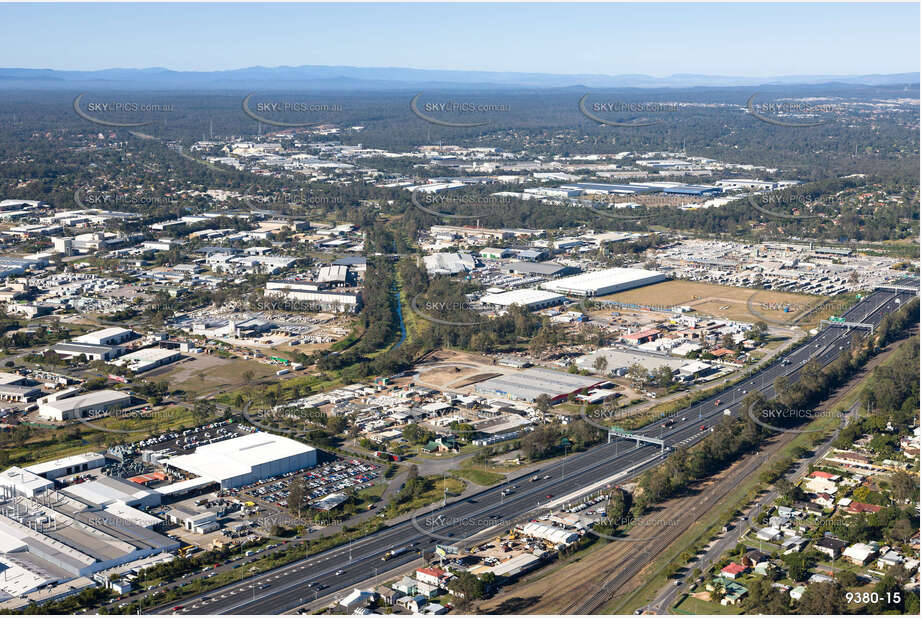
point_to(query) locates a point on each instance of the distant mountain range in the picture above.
(382, 79)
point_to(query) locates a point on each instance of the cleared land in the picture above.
(720, 301)
(202, 373)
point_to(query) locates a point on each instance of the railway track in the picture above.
(610, 587)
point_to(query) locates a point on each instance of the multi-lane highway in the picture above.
(346, 566)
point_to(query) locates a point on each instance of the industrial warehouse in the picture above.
(69, 520)
(603, 282)
(530, 299)
(246, 459)
(531, 383)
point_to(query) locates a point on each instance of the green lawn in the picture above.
(695, 606)
(479, 477)
(434, 492)
(372, 494)
(45, 443)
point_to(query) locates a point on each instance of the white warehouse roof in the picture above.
(239, 461)
(525, 298)
(601, 282)
(106, 490)
(549, 533)
(24, 482)
(68, 465)
(102, 399)
(101, 335)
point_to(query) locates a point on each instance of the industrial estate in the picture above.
(373, 358)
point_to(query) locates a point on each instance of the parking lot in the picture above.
(331, 477)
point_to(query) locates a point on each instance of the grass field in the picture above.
(695, 606)
(434, 492)
(479, 477)
(203, 373)
(721, 301)
(43, 444)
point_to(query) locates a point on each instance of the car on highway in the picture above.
(340, 572)
(549, 495)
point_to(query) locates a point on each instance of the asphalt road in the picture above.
(343, 568)
(667, 595)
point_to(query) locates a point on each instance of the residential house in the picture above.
(861, 553)
(429, 590)
(825, 500)
(889, 559)
(794, 543)
(413, 603)
(779, 522)
(733, 570)
(754, 557)
(434, 609)
(407, 586)
(830, 546)
(387, 595)
(733, 592)
(861, 507)
(769, 534)
(433, 576)
(357, 598)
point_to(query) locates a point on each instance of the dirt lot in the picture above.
(449, 369)
(201, 373)
(720, 300)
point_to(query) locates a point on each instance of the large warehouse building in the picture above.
(602, 282)
(247, 459)
(531, 383)
(529, 299)
(90, 404)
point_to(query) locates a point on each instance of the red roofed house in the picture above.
(642, 336)
(819, 474)
(860, 507)
(432, 575)
(733, 570)
(721, 352)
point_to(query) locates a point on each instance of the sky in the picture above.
(756, 40)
